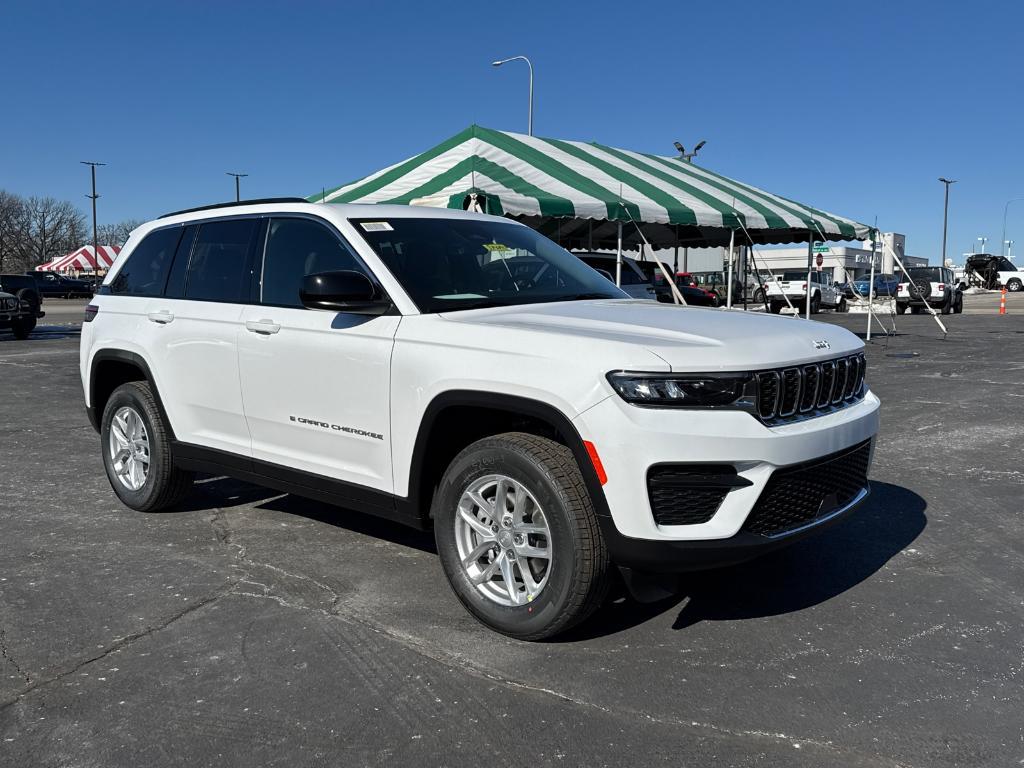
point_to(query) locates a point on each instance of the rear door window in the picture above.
(220, 267)
(145, 272)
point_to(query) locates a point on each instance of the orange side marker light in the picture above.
(602, 476)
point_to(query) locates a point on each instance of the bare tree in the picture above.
(55, 227)
(116, 234)
(13, 229)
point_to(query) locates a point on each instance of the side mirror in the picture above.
(343, 291)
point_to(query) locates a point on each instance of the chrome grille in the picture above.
(789, 394)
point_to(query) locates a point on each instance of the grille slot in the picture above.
(811, 378)
(767, 394)
(798, 495)
(790, 392)
(842, 369)
(689, 494)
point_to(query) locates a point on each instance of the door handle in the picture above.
(163, 317)
(265, 327)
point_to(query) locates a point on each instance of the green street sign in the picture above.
(821, 248)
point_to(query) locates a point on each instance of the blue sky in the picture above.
(854, 108)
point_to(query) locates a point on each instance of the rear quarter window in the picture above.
(145, 271)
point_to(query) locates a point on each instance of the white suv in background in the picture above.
(462, 372)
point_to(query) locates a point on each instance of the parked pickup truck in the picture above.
(793, 285)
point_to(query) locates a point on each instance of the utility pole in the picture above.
(238, 186)
(945, 216)
(94, 197)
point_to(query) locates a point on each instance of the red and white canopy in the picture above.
(84, 260)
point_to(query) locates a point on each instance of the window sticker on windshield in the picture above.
(496, 247)
(376, 226)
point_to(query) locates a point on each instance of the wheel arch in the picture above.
(109, 369)
(436, 443)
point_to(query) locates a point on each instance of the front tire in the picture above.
(518, 537)
(841, 306)
(137, 451)
(1014, 285)
(815, 305)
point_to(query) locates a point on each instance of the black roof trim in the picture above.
(260, 201)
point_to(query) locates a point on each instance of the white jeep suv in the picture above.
(462, 372)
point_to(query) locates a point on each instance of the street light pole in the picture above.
(94, 197)
(1006, 209)
(529, 114)
(238, 186)
(945, 216)
(982, 240)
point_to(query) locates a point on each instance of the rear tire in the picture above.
(959, 308)
(900, 308)
(815, 305)
(841, 306)
(1014, 285)
(542, 476)
(775, 308)
(162, 484)
(947, 305)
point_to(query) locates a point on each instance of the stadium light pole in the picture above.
(1006, 209)
(945, 216)
(94, 197)
(238, 186)
(688, 156)
(529, 114)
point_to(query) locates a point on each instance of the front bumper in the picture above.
(630, 440)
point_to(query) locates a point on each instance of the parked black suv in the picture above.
(54, 284)
(20, 304)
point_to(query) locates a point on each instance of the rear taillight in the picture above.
(902, 286)
(91, 310)
(942, 287)
(803, 287)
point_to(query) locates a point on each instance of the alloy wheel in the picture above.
(129, 448)
(503, 540)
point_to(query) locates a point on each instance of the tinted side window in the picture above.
(219, 268)
(296, 248)
(145, 272)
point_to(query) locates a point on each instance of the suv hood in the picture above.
(687, 338)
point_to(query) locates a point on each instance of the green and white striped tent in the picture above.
(577, 193)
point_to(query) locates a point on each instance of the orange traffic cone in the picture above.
(1002, 302)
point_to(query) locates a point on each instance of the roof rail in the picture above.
(259, 201)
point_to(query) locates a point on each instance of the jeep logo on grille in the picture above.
(822, 344)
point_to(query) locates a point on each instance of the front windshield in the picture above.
(449, 264)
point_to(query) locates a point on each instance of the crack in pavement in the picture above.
(5, 653)
(119, 645)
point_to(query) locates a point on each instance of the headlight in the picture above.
(700, 390)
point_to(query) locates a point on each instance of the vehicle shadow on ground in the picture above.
(808, 573)
(45, 332)
(211, 492)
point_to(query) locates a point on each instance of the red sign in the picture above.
(818, 260)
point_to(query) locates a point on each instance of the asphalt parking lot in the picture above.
(250, 628)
